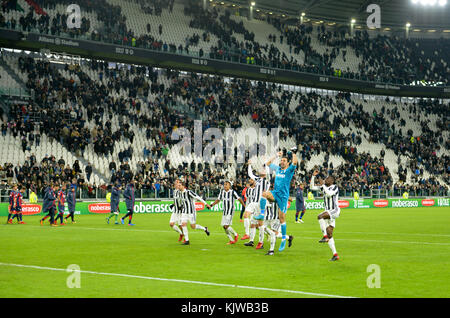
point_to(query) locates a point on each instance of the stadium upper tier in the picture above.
(186, 28)
(96, 113)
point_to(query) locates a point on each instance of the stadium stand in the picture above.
(109, 121)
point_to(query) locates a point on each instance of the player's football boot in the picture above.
(249, 243)
(206, 230)
(186, 243)
(107, 220)
(42, 222)
(21, 222)
(236, 238)
(180, 238)
(10, 221)
(290, 239)
(259, 246)
(282, 245)
(334, 258)
(324, 239)
(259, 217)
(230, 243)
(121, 221)
(130, 224)
(269, 253)
(245, 237)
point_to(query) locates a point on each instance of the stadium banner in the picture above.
(131, 54)
(164, 206)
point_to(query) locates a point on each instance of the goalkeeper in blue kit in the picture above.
(280, 193)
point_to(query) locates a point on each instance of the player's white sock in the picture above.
(185, 233)
(177, 229)
(247, 226)
(252, 233)
(273, 238)
(199, 227)
(232, 231)
(261, 233)
(230, 237)
(331, 245)
(323, 226)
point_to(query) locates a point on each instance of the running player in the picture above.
(61, 204)
(327, 219)
(11, 205)
(261, 185)
(299, 203)
(280, 193)
(228, 195)
(114, 204)
(244, 198)
(189, 213)
(177, 209)
(128, 194)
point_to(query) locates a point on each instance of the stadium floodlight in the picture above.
(253, 3)
(408, 24)
(442, 2)
(303, 14)
(353, 21)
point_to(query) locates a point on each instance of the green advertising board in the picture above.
(164, 206)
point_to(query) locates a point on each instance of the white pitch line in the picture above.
(180, 281)
(305, 237)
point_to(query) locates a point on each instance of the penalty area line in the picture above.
(178, 281)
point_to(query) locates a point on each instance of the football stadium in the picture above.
(189, 149)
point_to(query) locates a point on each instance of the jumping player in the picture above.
(280, 193)
(228, 196)
(261, 185)
(272, 227)
(327, 219)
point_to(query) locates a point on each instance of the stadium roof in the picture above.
(394, 13)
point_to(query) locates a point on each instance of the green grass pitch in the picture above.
(410, 246)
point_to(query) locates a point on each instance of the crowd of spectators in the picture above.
(67, 104)
(383, 58)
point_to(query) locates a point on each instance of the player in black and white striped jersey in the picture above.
(327, 219)
(228, 196)
(177, 209)
(189, 213)
(272, 226)
(250, 193)
(262, 184)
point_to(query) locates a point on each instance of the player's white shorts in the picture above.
(191, 218)
(273, 224)
(227, 220)
(253, 208)
(175, 218)
(334, 214)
